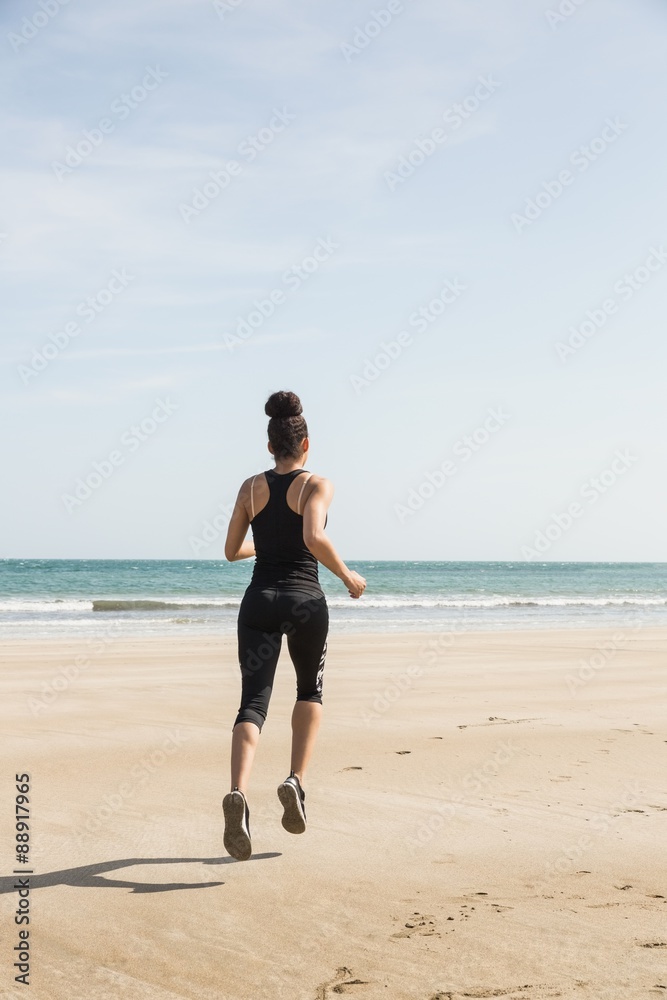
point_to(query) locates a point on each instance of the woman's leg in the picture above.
(307, 645)
(258, 649)
(245, 738)
(306, 719)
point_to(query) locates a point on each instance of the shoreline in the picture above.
(344, 637)
(167, 634)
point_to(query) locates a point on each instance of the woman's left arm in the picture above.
(236, 544)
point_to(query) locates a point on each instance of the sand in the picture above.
(487, 817)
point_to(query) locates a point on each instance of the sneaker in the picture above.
(237, 825)
(293, 798)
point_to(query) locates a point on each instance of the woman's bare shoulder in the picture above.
(244, 488)
(321, 484)
(258, 477)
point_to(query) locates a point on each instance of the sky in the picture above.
(442, 223)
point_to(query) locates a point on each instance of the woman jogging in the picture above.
(287, 510)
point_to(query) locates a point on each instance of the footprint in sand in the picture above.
(339, 984)
(419, 924)
(498, 907)
(511, 993)
(497, 720)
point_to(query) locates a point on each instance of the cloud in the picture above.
(137, 352)
(307, 335)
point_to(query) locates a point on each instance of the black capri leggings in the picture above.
(265, 615)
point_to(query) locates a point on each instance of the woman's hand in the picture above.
(355, 583)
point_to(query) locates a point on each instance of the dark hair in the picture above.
(287, 428)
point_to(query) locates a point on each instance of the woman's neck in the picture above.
(283, 467)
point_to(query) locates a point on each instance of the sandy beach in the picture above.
(487, 817)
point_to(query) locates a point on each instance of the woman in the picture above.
(287, 510)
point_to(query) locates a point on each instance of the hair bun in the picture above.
(283, 404)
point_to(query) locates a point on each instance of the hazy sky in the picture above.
(432, 219)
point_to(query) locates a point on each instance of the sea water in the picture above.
(68, 598)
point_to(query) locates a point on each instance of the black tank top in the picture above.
(282, 558)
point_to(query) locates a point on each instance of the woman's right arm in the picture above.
(237, 546)
(315, 538)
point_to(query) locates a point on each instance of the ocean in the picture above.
(93, 598)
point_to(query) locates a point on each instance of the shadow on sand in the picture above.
(90, 876)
